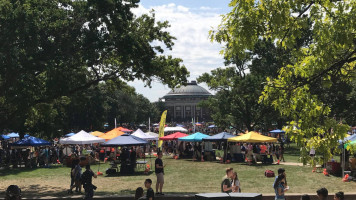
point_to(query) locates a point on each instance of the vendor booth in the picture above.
(127, 163)
(254, 137)
(218, 138)
(81, 138)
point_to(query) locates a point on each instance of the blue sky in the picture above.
(190, 22)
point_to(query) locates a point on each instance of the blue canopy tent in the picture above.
(277, 131)
(31, 141)
(125, 140)
(196, 137)
(69, 134)
(223, 136)
(212, 126)
(4, 137)
(16, 135)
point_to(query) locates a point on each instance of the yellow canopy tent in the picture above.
(252, 137)
(96, 133)
(111, 134)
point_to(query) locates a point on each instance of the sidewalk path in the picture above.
(291, 164)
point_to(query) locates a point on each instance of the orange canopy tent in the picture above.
(97, 133)
(111, 134)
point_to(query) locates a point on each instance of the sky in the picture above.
(190, 22)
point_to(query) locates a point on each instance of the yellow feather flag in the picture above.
(161, 127)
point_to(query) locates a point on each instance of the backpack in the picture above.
(269, 173)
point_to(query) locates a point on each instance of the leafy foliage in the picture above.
(326, 60)
(239, 86)
(50, 50)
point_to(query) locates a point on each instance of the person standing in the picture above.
(279, 188)
(159, 170)
(235, 183)
(281, 171)
(87, 183)
(322, 194)
(226, 186)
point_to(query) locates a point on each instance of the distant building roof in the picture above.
(191, 89)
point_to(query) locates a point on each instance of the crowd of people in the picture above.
(231, 183)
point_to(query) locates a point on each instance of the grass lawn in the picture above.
(182, 176)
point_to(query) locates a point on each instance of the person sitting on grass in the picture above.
(226, 186)
(322, 193)
(150, 195)
(339, 196)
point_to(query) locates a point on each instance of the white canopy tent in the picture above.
(82, 137)
(140, 134)
(175, 129)
(152, 134)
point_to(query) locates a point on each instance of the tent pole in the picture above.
(225, 150)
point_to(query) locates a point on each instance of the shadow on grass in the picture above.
(15, 171)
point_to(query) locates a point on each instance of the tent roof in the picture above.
(4, 137)
(140, 134)
(223, 136)
(173, 136)
(111, 134)
(196, 137)
(152, 134)
(252, 137)
(124, 129)
(277, 131)
(31, 141)
(96, 133)
(176, 129)
(81, 137)
(125, 140)
(69, 134)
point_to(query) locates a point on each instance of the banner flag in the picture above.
(161, 128)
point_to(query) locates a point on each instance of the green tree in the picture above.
(239, 87)
(50, 50)
(329, 55)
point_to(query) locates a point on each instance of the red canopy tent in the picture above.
(124, 129)
(173, 136)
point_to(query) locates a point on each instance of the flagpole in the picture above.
(149, 124)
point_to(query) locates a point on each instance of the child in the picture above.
(150, 195)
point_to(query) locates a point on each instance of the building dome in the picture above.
(191, 89)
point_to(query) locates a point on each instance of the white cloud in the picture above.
(191, 28)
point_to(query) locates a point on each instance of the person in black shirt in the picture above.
(159, 170)
(87, 182)
(150, 195)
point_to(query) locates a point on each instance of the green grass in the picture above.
(182, 176)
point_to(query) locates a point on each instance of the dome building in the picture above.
(182, 103)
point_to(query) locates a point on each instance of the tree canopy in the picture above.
(50, 50)
(328, 58)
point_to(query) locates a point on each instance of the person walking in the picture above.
(159, 170)
(226, 186)
(322, 194)
(279, 188)
(87, 183)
